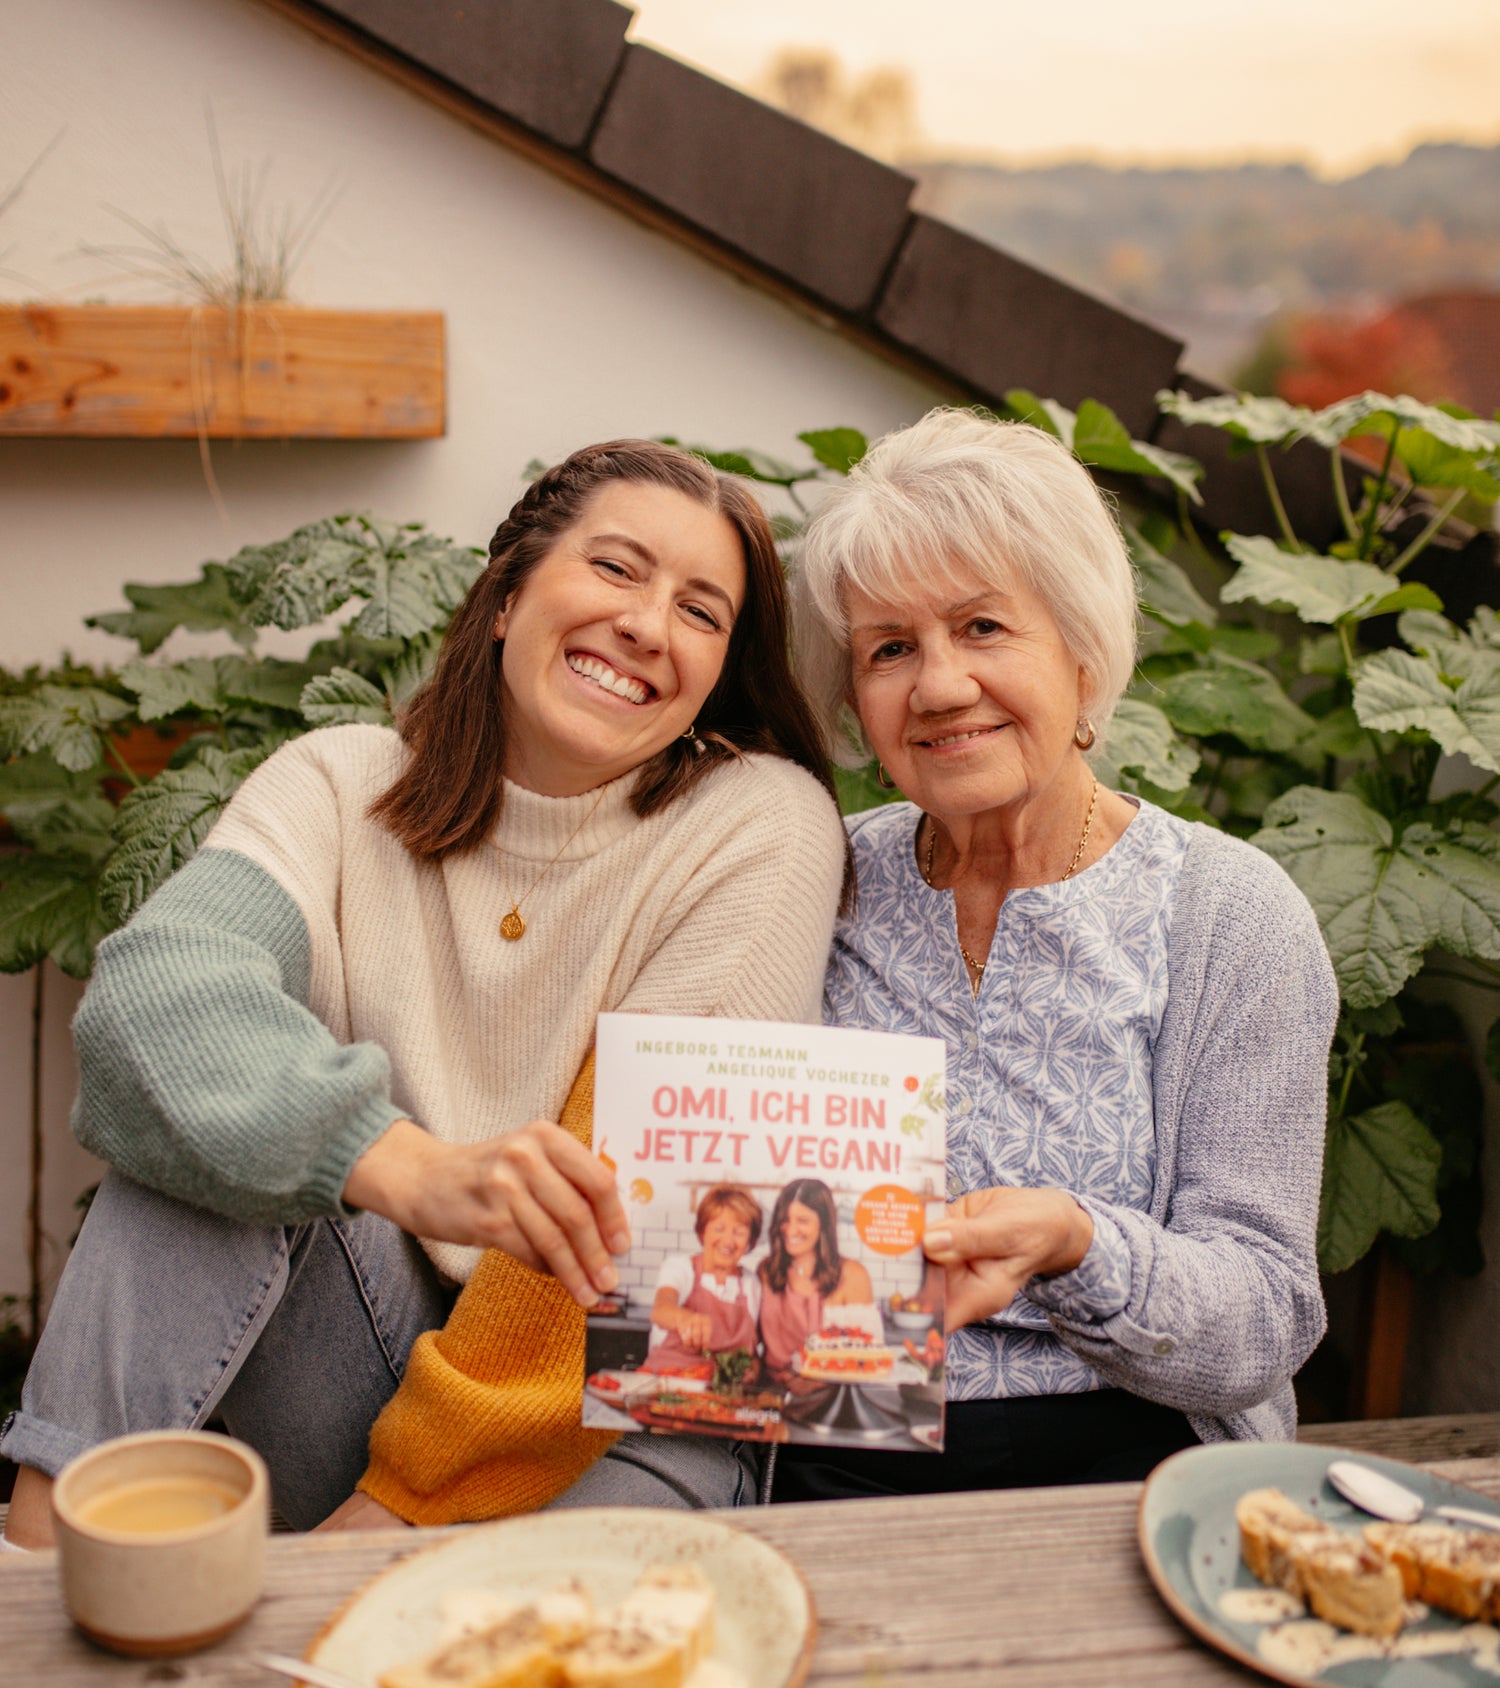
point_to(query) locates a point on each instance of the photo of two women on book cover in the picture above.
(778, 1179)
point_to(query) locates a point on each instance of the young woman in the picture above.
(327, 1058)
(804, 1276)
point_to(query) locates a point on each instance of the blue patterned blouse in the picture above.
(1049, 1067)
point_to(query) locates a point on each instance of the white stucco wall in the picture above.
(566, 323)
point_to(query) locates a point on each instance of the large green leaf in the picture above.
(1244, 416)
(413, 581)
(299, 580)
(1096, 436)
(838, 449)
(70, 723)
(1321, 589)
(1047, 414)
(214, 684)
(1141, 741)
(1432, 462)
(411, 669)
(1453, 694)
(205, 605)
(335, 699)
(31, 787)
(1383, 902)
(164, 689)
(1378, 413)
(161, 824)
(48, 906)
(1165, 590)
(1380, 1173)
(1103, 441)
(1235, 699)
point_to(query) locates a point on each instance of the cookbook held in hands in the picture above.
(778, 1179)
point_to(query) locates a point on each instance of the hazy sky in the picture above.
(1340, 83)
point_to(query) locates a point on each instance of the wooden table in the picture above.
(1040, 1588)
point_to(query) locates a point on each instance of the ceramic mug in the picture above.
(162, 1539)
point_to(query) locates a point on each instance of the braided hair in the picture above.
(448, 797)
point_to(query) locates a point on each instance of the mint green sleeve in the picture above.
(203, 1073)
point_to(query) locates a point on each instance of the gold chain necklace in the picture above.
(512, 926)
(1088, 824)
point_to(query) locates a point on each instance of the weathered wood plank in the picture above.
(1455, 1436)
(261, 372)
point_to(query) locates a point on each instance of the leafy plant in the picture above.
(88, 861)
(1345, 786)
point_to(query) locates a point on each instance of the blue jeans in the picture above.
(295, 1336)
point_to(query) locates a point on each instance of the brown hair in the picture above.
(814, 1194)
(449, 795)
(730, 1198)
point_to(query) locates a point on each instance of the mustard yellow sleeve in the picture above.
(486, 1422)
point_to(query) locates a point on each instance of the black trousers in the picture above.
(1105, 1436)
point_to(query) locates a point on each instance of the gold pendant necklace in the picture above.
(978, 967)
(512, 926)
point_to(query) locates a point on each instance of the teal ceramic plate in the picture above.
(1190, 1544)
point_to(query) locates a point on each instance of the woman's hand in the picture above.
(991, 1241)
(362, 1512)
(694, 1329)
(536, 1193)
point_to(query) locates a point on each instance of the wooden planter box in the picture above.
(193, 372)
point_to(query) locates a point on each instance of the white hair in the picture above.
(962, 494)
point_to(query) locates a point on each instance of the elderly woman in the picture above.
(704, 1303)
(1137, 1009)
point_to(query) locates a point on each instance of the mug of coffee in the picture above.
(162, 1539)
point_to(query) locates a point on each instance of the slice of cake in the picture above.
(515, 1653)
(678, 1600)
(621, 1653)
(1455, 1570)
(1346, 1582)
(1268, 1524)
(1342, 1578)
(842, 1351)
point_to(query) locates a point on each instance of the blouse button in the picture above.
(1164, 1346)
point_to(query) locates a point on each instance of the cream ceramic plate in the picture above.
(764, 1620)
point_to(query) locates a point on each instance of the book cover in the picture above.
(778, 1179)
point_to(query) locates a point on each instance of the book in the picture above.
(778, 1180)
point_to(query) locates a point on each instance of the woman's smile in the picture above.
(595, 671)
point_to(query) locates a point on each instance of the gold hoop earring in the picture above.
(883, 778)
(1084, 734)
(692, 732)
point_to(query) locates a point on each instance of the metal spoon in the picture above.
(1374, 1492)
(317, 1676)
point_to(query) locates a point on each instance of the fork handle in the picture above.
(1462, 1515)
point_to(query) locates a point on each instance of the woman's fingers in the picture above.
(550, 1248)
(556, 1202)
(977, 1289)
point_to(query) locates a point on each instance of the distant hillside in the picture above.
(1219, 254)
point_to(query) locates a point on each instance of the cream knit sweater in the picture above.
(722, 903)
